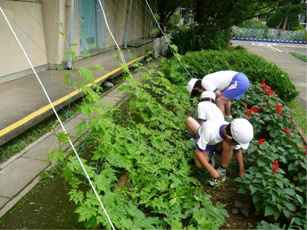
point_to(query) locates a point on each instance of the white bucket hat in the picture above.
(191, 85)
(208, 94)
(242, 132)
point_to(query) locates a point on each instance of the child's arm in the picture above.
(203, 159)
(239, 157)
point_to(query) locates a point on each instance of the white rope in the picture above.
(57, 116)
(167, 40)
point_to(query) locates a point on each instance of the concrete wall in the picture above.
(55, 29)
(116, 11)
(44, 26)
(139, 23)
(26, 18)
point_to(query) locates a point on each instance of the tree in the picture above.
(286, 16)
(227, 13)
(166, 8)
(214, 19)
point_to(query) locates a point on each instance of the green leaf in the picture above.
(268, 211)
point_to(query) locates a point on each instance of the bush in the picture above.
(276, 177)
(201, 63)
(253, 23)
(190, 39)
(268, 226)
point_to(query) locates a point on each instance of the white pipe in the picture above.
(69, 63)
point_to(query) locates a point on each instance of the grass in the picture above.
(300, 56)
(19, 143)
(299, 114)
(46, 206)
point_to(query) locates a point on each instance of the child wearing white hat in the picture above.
(216, 133)
(206, 110)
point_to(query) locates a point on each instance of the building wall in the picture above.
(54, 22)
(137, 23)
(26, 18)
(44, 28)
(116, 11)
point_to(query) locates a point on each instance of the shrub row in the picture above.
(203, 62)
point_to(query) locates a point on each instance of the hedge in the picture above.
(256, 68)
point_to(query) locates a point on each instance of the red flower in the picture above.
(286, 131)
(266, 88)
(278, 108)
(275, 166)
(268, 91)
(252, 110)
(255, 109)
(248, 113)
(305, 153)
(261, 141)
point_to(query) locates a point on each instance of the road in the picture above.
(280, 54)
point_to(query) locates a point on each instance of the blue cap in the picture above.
(237, 87)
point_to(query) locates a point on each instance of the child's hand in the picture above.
(242, 173)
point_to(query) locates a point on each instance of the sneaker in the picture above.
(228, 118)
(215, 182)
(222, 172)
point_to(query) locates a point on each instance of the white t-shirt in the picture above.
(207, 110)
(209, 134)
(218, 80)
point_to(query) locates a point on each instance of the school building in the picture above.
(49, 28)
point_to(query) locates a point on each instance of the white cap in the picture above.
(242, 132)
(191, 84)
(208, 94)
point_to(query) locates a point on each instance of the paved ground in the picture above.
(280, 55)
(20, 173)
(21, 97)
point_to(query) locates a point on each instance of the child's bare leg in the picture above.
(192, 125)
(227, 107)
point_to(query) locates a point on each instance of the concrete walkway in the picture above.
(280, 54)
(23, 97)
(21, 173)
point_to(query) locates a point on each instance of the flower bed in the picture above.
(276, 177)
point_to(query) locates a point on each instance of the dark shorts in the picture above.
(210, 149)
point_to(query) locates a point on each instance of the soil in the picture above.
(47, 206)
(227, 195)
